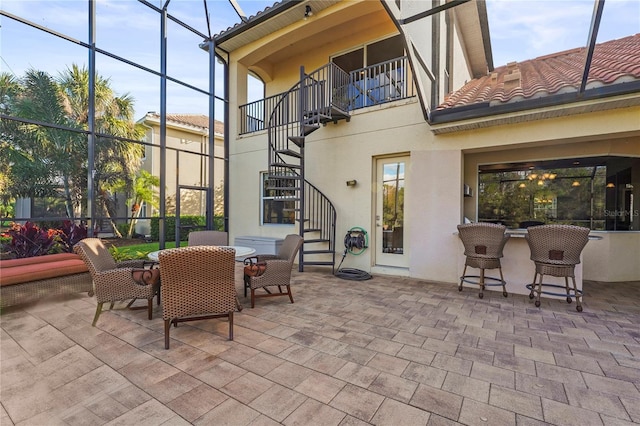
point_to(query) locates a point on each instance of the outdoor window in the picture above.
(597, 193)
(278, 206)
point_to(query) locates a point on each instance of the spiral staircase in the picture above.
(318, 98)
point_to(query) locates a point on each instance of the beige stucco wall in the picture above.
(192, 166)
(439, 164)
(439, 167)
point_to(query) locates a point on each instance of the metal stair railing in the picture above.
(314, 100)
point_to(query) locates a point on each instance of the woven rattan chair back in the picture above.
(483, 247)
(484, 240)
(96, 255)
(208, 238)
(557, 244)
(197, 283)
(290, 246)
(555, 251)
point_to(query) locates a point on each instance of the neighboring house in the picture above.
(409, 162)
(187, 156)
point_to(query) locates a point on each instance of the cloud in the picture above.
(526, 29)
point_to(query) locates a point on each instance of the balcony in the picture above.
(373, 85)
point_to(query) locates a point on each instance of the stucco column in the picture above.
(436, 210)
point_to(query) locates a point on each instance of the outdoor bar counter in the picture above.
(518, 269)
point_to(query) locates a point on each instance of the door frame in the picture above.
(380, 258)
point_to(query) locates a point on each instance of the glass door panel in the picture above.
(391, 248)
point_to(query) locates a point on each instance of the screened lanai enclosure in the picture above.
(117, 121)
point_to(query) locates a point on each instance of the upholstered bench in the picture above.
(28, 279)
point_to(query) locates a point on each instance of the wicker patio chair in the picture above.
(555, 250)
(276, 270)
(208, 238)
(197, 283)
(113, 282)
(483, 245)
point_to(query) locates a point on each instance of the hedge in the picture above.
(187, 223)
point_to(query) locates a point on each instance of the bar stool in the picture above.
(555, 250)
(483, 244)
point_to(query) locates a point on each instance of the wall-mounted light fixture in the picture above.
(307, 12)
(352, 182)
(467, 191)
(611, 185)
(575, 183)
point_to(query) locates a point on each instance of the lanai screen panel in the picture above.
(418, 36)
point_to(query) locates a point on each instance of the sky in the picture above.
(519, 30)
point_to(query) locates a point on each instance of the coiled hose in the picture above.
(356, 241)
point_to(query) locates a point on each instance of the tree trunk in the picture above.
(110, 207)
(134, 219)
(68, 204)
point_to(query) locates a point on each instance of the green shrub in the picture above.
(122, 253)
(188, 224)
(123, 228)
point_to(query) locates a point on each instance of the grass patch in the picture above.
(138, 251)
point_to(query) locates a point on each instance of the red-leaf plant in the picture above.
(29, 240)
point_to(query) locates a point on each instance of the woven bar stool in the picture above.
(483, 244)
(555, 250)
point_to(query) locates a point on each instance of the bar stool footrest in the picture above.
(572, 292)
(494, 281)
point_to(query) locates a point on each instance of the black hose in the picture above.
(351, 273)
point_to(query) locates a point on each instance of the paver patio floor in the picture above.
(388, 351)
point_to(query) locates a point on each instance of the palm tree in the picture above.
(41, 158)
(116, 161)
(143, 192)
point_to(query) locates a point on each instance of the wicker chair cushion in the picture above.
(255, 269)
(146, 276)
(47, 268)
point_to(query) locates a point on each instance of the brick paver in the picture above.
(388, 351)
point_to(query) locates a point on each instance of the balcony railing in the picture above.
(254, 115)
(380, 83)
(376, 84)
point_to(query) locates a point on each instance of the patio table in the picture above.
(241, 252)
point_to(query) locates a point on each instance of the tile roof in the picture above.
(249, 19)
(613, 62)
(196, 120)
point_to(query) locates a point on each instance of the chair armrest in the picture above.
(276, 268)
(119, 284)
(119, 274)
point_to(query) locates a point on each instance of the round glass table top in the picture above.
(241, 252)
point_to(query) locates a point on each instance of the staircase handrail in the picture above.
(315, 211)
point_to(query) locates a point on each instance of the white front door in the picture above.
(390, 224)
